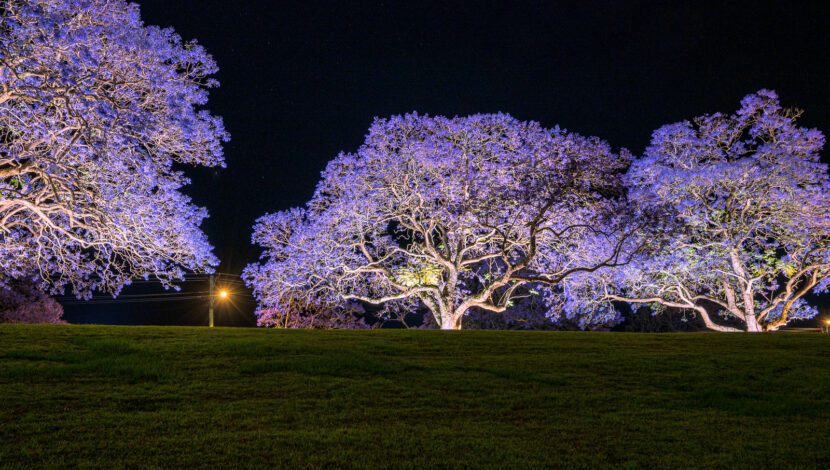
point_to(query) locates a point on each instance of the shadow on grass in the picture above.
(108, 358)
(345, 364)
(743, 401)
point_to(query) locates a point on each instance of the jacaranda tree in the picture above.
(96, 109)
(452, 215)
(751, 205)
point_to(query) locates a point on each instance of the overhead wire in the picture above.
(164, 296)
(124, 301)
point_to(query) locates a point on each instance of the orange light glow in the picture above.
(223, 294)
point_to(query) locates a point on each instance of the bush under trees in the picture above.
(24, 302)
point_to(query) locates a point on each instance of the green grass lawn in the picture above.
(160, 396)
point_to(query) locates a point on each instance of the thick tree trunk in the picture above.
(451, 322)
(752, 325)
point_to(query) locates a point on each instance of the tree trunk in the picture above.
(451, 322)
(752, 325)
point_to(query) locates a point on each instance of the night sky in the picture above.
(302, 81)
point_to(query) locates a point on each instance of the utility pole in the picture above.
(212, 299)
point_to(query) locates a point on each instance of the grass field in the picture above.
(159, 396)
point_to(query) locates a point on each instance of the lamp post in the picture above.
(212, 300)
(223, 294)
(827, 326)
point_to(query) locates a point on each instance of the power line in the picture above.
(141, 299)
(236, 285)
(151, 297)
(125, 301)
(128, 296)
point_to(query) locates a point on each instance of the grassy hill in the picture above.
(160, 396)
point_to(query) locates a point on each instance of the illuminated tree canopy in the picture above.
(451, 214)
(96, 109)
(750, 200)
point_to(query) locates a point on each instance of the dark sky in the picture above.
(302, 81)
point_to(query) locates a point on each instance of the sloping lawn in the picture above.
(97, 396)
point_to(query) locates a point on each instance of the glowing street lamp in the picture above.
(222, 294)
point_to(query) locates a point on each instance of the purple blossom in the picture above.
(449, 214)
(747, 202)
(96, 110)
